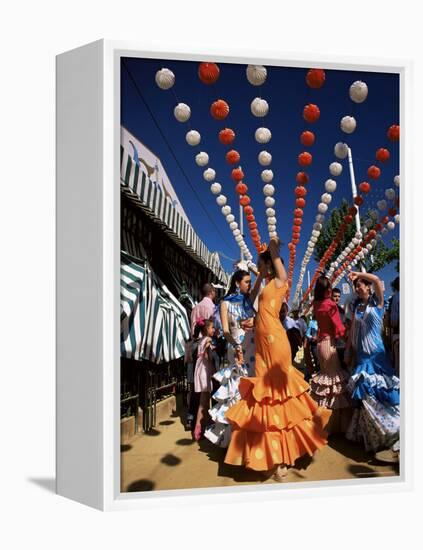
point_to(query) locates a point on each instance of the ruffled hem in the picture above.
(382, 387)
(330, 391)
(262, 451)
(219, 434)
(274, 387)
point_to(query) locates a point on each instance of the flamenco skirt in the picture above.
(375, 424)
(227, 395)
(329, 387)
(374, 376)
(275, 422)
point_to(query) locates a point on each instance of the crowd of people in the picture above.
(248, 396)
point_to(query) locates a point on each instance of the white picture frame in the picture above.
(88, 263)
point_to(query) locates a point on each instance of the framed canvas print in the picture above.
(230, 246)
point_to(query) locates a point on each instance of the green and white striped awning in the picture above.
(136, 185)
(154, 325)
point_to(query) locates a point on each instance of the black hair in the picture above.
(336, 290)
(396, 283)
(365, 281)
(236, 278)
(321, 288)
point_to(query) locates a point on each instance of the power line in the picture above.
(173, 153)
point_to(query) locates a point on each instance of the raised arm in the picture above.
(256, 288)
(376, 282)
(280, 272)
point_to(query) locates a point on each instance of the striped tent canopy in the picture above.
(154, 325)
(149, 196)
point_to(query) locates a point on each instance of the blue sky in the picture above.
(287, 94)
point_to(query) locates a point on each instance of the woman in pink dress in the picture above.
(329, 386)
(204, 369)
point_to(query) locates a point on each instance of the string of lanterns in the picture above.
(208, 74)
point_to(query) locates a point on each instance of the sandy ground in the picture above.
(167, 458)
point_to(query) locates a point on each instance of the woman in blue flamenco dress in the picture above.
(373, 384)
(237, 317)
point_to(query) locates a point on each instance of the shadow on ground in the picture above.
(140, 485)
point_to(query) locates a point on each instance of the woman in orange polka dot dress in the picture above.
(276, 421)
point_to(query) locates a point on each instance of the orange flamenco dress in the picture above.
(276, 421)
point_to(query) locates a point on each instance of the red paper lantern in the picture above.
(208, 73)
(364, 187)
(232, 157)
(307, 138)
(305, 159)
(384, 219)
(296, 230)
(300, 191)
(315, 78)
(392, 211)
(298, 212)
(378, 227)
(219, 109)
(226, 136)
(301, 178)
(248, 210)
(298, 221)
(352, 210)
(358, 200)
(348, 219)
(311, 112)
(250, 217)
(252, 225)
(372, 234)
(237, 174)
(300, 203)
(290, 246)
(254, 233)
(244, 200)
(295, 241)
(394, 133)
(373, 172)
(241, 188)
(382, 155)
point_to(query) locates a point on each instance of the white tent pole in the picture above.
(354, 194)
(241, 226)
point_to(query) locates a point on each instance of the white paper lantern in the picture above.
(193, 137)
(341, 150)
(310, 245)
(369, 223)
(397, 218)
(358, 91)
(209, 174)
(165, 79)
(348, 124)
(202, 159)
(374, 214)
(270, 212)
(390, 226)
(238, 238)
(317, 226)
(381, 205)
(233, 225)
(221, 201)
(384, 231)
(236, 232)
(313, 240)
(378, 238)
(271, 227)
(273, 234)
(322, 208)
(365, 230)
(267, 176)
(226, 209)
(265, 158)
(315, 233)
(256, 74)
(230, 218)
(271, 220)
(326, 198)
(268, 190)
(365, 251)
(390, 194)
(215, 188)
(358, 235)
(259, 107)
(269, 201)
(361, 254)
(182, 112)
(335, 168)
(320, 218)
(263, 135)
(397, 181)
(369, 247)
